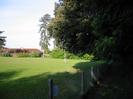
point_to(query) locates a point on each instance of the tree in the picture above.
(71, 28)
(44, 40)
(101, 27)
(2, 40)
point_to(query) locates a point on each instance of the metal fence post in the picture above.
(50, 83)
(82, 83)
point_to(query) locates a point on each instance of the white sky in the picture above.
(20, 21)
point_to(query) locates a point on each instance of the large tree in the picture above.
(71, 27)
(44, 40)
(2, 40)
(101, 27)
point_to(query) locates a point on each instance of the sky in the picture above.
(20, 21)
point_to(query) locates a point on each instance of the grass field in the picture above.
(27, 78)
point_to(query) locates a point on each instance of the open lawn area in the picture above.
(27, 78)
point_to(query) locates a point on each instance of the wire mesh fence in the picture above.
(77, 84)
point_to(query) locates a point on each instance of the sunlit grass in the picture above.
(34, 66)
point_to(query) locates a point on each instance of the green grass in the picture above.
(34, 66)
(27, 78)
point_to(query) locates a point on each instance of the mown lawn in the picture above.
(27, 78)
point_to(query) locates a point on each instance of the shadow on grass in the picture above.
(85, 66)
(36, 87)
(7, 75)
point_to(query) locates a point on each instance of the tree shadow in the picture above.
(7, 75)
(85, 66)
(36, 87)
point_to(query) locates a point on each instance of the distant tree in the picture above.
(2, 40)
(44, 40)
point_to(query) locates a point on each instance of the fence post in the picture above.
(50, 83)
(82, 83)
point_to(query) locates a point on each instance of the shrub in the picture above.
(72, 56)
(87, 57)
(32, 54)
(22, 55)
(35, 54)
(59, 53)
(5, 54)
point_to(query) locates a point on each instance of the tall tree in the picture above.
(2, 40)
(71, 26)
(102, 27)
(44, 40)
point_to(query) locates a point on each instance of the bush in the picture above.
(87, 57)
(21, 55)
(32, 54)
(59, 53)
(35, 54)
(72, 56)
(5, 54)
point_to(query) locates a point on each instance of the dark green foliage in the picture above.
(72, 56)
(103, 28)
(2, 40)
(104, 47)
